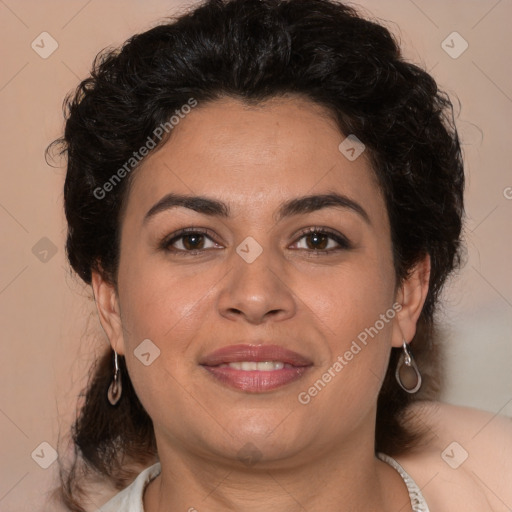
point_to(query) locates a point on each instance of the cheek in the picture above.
(348, 299)
(162, 305)
(173, 311)
(355, 316)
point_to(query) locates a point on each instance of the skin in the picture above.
(254, 159)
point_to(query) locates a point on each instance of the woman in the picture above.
(267, 200)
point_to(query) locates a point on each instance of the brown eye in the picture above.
(322, 241)
(189, 241)
(317, 241)
(194, 241)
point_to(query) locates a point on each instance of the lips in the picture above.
(257, 353)
(255, 368)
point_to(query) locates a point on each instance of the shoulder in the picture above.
(130, 499)
(463, 449)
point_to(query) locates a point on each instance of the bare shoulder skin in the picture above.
(465, 461)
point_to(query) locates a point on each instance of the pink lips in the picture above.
(255, 381)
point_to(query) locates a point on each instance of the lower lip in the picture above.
(255, 381)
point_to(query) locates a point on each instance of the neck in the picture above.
(340, 479)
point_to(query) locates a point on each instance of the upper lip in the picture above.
(258, 353)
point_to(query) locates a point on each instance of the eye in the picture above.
(189, 241)
(193, 241)
(322, 240)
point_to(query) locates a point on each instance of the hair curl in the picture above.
(255, 50)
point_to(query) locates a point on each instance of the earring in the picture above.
(115, 389)
(407, 373)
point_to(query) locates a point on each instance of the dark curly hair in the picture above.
(255, 50)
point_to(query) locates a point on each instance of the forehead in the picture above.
(255, 155)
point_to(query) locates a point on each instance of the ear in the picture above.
(411, 296)
(107, 303)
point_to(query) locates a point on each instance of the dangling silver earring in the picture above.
(115, 389)
(407, 373)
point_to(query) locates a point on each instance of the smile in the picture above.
(257, 365)
(255, 368)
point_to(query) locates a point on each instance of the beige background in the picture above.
(48, 324)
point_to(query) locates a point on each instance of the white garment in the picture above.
(418, 502)
(130, 499)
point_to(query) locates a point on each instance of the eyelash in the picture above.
(341, 240)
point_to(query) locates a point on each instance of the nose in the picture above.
(256, 292)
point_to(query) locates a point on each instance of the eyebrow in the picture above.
(296, 206)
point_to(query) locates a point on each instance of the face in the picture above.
(267, 267)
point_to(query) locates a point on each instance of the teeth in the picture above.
(263, 366)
